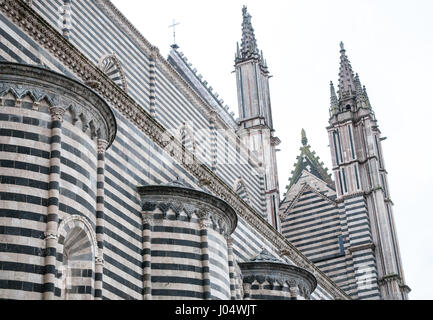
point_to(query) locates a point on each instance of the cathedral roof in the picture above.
(179, 61)
(307, 160)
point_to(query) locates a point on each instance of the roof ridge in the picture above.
(224, 108)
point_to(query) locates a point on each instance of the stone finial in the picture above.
(364, 91)
(304, 139)
(249, 43)
(334, 99)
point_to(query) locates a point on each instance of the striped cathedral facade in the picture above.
(346, 226)
(124, 175)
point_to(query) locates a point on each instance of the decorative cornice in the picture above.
(389, 278)
(49, 39)
(153, 53)
(280, 273)
(208, 209)
(62, 94)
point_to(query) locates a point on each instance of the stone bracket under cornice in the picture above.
(364, 246)
(350, 196)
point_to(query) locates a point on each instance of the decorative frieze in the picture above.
(269, 276)
(62, 94)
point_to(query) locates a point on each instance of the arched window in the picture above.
(111, 66)
(76, 272)
(188, 142)
(241, 190)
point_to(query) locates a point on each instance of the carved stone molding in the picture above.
(279, 275)
(102, 146)
(206, 209)
(99, 261)
(51, 236)
(62, 94)
(57, 113)
(53, 42)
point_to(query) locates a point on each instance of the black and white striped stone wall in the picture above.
(336, 236)
(115, 240)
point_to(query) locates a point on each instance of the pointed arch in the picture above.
(241, 189)
(186, 137)
(110, 65)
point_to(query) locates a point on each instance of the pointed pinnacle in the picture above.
(358, 86)
(249, 43)
(304, 139)
(346, 84)
(238, 52)
(364, 91)
(334, 100)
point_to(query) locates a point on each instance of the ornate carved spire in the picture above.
(346, 84)
(249, 43)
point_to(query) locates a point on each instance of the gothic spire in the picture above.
(249, 43)
(346, 86)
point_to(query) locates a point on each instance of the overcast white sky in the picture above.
(390, 45)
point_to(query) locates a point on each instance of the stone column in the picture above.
(230, 257)
(99, 261)
(294, 290)
(247, 291)
(147, 255)
(205, 223)
(53, 203)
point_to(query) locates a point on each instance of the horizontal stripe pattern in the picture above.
(132, 160)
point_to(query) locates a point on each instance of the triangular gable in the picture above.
(305, 188)
(308, 161)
